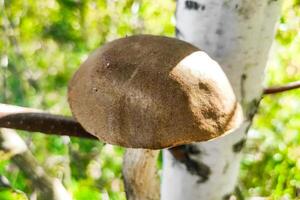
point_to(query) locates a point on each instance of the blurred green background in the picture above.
(42, 43)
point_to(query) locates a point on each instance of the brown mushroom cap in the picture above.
(152, 92)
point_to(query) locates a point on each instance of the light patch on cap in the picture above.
(211, 97)
(198, 66)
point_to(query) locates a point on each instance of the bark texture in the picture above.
(238, 34)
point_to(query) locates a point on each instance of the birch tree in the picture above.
(238, 34)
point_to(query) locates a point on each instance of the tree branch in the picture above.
(283, 88)
(38, 121)
(34, 120)
(50, 188)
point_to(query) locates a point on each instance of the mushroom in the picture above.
(152, 92)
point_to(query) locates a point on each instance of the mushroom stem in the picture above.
(140, 174)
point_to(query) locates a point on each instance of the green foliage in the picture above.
(8, 194)
(42, 43)
(271, 167)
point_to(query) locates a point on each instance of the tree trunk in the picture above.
(238, 34)
(140, 175)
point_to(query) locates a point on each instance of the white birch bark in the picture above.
(238, 34)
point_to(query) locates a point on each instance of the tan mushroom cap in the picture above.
(152, 92)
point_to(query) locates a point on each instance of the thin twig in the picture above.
(283, 88)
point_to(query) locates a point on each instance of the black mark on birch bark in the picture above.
(183, 155)
(192, 5)
(178, 33)
(252, 108)
(219, 31)
(243, 79)
(237, 147)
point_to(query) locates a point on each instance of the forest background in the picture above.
(42, 43)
